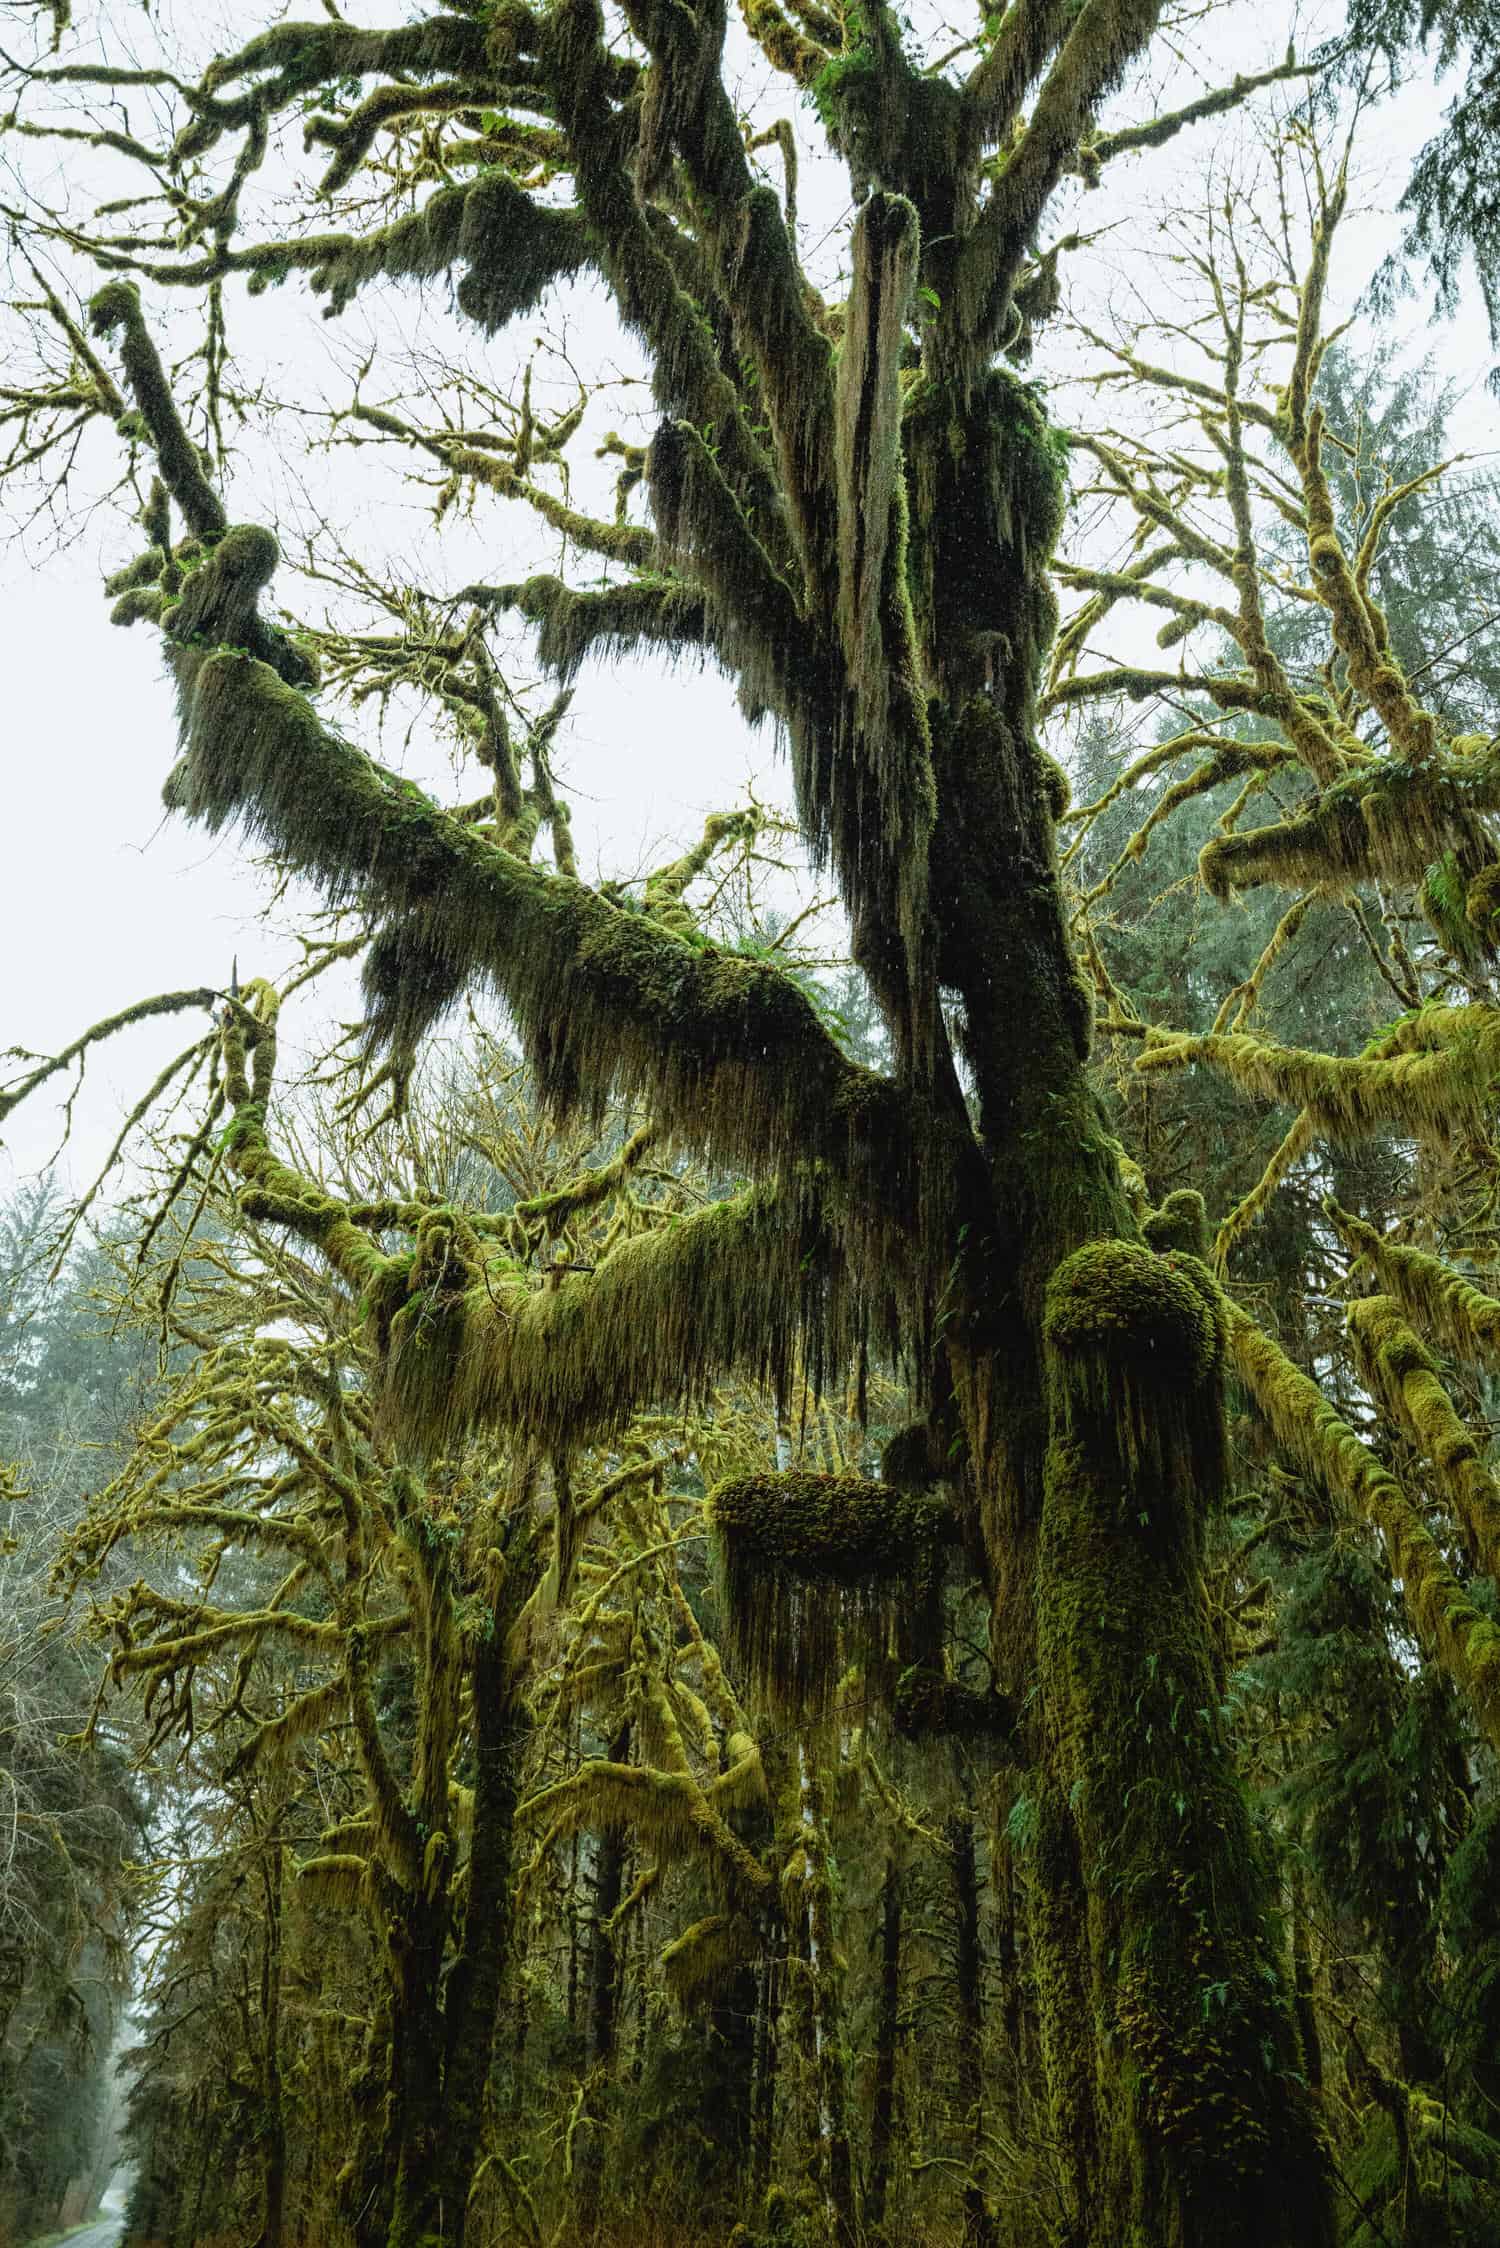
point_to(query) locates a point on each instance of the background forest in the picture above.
(792, 1538)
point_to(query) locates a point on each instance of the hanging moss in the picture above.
(1433, 1075)
(745, 1284)
(1406, 1375)
(815, 1567)
(705, 531)
(707, 1956)
(1388, 822)
(1420, 2173)
(726, 1049)
(618, 621)
(1463, 1640)
(410, 981)
(867, 434)
(1450, 1307)
(512, 249)
(668, 1812)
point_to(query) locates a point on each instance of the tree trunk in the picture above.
(887, 2031)
(1202, 2127)
(823, 2017)
(450, 2043)
(603, 2001)
(274, 2147)
(979, 2230)
(1087, 1373)
(763, 2101)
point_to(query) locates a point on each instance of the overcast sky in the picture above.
(105, 902)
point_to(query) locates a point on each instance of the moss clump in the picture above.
(219, 607)
(828, 1529)
(512, 249)
(814, 1566)
(1135, 1344)
(1179, 1227)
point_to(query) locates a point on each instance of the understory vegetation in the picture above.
(804, 1549)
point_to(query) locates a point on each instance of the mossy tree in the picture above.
(851, 509)
(1316, 636)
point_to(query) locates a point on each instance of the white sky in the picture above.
(104, 902)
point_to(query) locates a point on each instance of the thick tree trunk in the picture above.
(1087, 1378)
(1204, 2127)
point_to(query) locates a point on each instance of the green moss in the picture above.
(1404, 1373)
(1389, 822)
(1180, 1226)
(813, 1568)
(1433, 1074)
(1135, 1346)
(1204, 2130)
(1450, 1306)
(115, 310)
(511, 248)
(1461, 1638)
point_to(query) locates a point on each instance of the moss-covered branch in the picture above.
(1451, 1308)
(1104, 37)
(1405, 1374)
(1463, 1639)
(727, 1052)
(144, 1010)
(1434, 1075)
(1387, 822)
(116, 311)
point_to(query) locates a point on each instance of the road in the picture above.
(104, 2234)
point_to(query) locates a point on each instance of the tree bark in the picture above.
(887, 2032)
